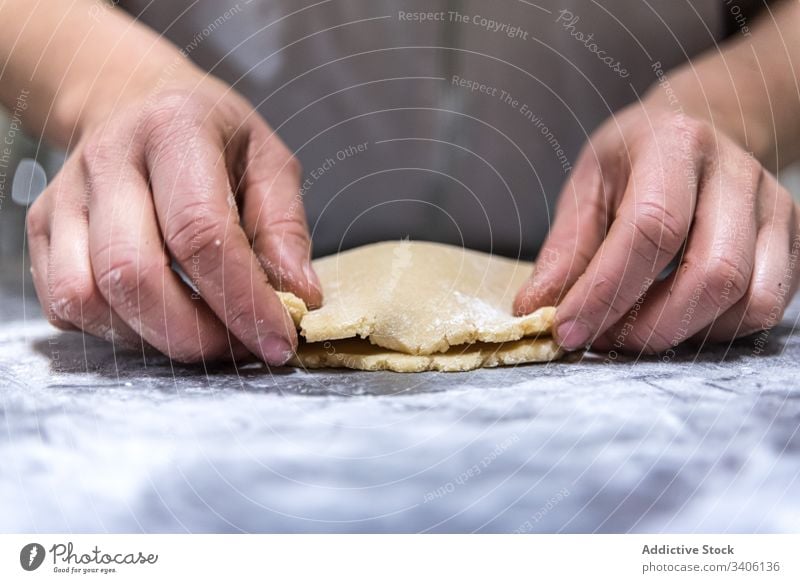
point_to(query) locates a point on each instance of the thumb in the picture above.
(273, 214)
(582, 218)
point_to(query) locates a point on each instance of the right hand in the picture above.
(190, 173)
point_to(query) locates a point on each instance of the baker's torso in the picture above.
(447, 120)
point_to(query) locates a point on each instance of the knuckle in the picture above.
(270, 159)
(193, 232)
(36, 220)
(291, 164)
(755, 174)
(240, 315)
(283, 231)
(267, 148)
(169, 107)
(190, 351)
(695, 134)
(553, 255)
(603, 301)
(73, 299)
(727, 279)
(123, 270)
(658, 227)
(785, 208)
(189, 357)
(596, 204)
(61, 324)
(174, 117)
(99, 155)
(648, 341)
(764, 309)
(294, 166)
(170, 102)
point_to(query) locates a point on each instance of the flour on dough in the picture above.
(413, 306)
(421, 298)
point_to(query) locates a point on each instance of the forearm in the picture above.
(75, 61)
(748, 88)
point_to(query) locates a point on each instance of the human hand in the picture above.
(651, 186)
(190, 173)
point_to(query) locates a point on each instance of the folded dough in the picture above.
(361, 355)
(419, 306)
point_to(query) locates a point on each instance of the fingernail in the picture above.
(572, 335)
(526, 300)
(311, 276)
(276, 350)
(314, 289)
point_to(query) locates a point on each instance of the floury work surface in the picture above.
(97, 441)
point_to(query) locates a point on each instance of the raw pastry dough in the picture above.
(361, 355)
(421, 298)
(295, 306)
(419, 306)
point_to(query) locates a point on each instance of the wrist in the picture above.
(88, 104)
(691, 92)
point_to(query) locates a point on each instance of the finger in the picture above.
(775, 277)
(198, 217)
(73, 293)
(715, 269)
(133, 271)
(650, 226)
(581, 222)
(38, 233)
(273, 215)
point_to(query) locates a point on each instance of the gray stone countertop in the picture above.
(93, 440)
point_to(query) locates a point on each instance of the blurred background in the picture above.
(12, 214)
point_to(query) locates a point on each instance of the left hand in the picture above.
(650, 186)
